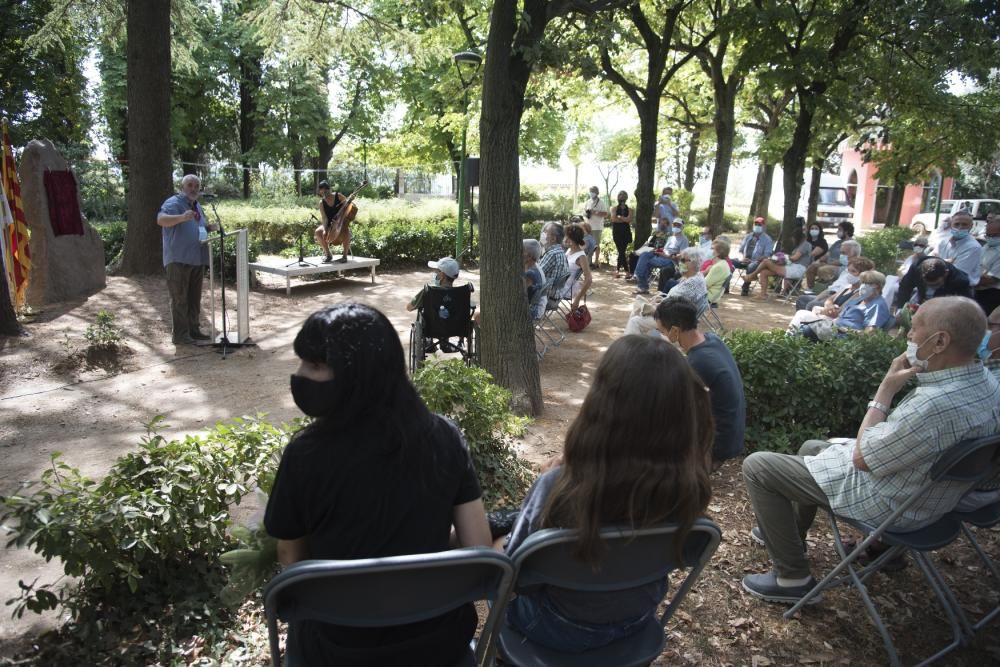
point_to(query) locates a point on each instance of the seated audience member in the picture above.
(829, 308)
(445, 272)
(589, 243)
(988, 289)
(940, 235)
(553, 263)
(626, 461)
(677, 321)
(375, 474)
(534, 279)
(956, 398)
(820, 247)
(718, 271)
(653, 258)
(579, 266)
(705, 239)
(919, 251)
(793, 270)
(868, 311)
(854, 265)
(690, 284)
(931, 277)
(755, 248)
(845, 233)
(961, 249)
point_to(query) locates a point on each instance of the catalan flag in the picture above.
(18, 257)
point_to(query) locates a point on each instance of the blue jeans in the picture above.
(537, 619)
(647, 262)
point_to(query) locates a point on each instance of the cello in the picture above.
(338, 229)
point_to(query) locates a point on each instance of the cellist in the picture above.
(327, 234)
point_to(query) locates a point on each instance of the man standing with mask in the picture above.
(595, 211)
(988, 289)
(955, 399)
(185, 257)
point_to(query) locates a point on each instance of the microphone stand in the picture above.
(302, 259)
(223, 344)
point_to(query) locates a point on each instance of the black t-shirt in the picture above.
(332, 211)
(714, 364)
(820, 242)
(353, 494)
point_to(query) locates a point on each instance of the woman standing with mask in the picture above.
(375, 474)
(621, 232)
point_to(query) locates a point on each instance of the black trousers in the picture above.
(622, 235)
(184, 285)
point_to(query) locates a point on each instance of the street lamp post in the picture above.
(467, 63)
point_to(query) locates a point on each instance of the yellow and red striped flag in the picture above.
(18, 259)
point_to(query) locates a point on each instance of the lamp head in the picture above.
(467, 61)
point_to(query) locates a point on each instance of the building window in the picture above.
(852, 186)
(931, 193)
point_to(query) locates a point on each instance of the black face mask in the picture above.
(312, 397)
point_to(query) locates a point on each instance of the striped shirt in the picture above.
(947, 406)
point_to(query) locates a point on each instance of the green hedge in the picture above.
(882, 247)
(113, 235)
(797, 389)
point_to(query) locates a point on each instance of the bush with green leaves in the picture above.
(104, 333)
(113, 235)
(150, 533)
(481, 408)
(882, 247)
(797, 389)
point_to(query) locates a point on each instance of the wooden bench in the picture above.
(277, 266)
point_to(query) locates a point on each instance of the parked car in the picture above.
(979, 208)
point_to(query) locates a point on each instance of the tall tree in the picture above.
(635, 27)
(147, 53)
(516, 32)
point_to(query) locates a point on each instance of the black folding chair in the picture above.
(383, 592)
(970, 462)
(633, 558)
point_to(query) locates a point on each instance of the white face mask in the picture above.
(911, 353)
(851, 279)
(866, 292)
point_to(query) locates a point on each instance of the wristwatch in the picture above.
(881, 407)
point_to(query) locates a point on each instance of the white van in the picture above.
(834, 206)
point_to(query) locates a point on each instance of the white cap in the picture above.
(446, 265)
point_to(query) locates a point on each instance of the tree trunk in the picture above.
(646, 166)
(761, 192)
(895, 203)
(508, 346)
(692, 160)
(725, 129)
(815, 174)
(251, 78)
(9, 326)
(793, 164)
(147, 54)
(325, 148)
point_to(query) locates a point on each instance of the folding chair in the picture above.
(381, 592)
(540, 294)
(548, 326)
(984, 517)
(707, 315)
(793, 291)
(633, 558)
(970, 462)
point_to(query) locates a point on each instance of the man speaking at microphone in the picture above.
(185, 257)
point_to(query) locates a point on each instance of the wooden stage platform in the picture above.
(277, 266)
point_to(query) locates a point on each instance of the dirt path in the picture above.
(93, 418)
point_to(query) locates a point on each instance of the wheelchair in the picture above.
(446, 313)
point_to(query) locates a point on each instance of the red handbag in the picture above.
(577, 320)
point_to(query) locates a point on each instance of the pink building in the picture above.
(871, 200)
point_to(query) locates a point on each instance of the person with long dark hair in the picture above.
(375, 474)
(626, 461)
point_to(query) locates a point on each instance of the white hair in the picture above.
(691, 254)
(850, 248)
(533, 248)
(190, 177)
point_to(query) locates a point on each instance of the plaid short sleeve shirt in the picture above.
(946, 407)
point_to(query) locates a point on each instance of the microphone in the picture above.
(207, 195)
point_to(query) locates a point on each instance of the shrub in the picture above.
(882, 247)
(149, 534)
(682, 200)
(113, 235)
(797, 389)
(529, 193)
(481, 409)
(103, 333)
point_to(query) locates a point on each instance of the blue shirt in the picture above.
(180, 242)
(763, 248)
(675, 244)
(860, 315)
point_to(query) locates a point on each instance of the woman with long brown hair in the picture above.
(637, 454)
